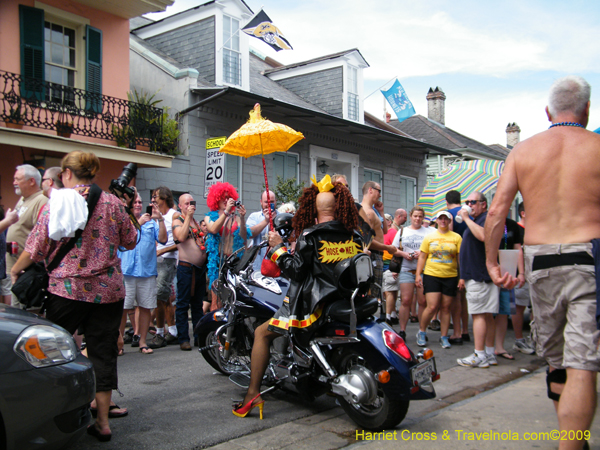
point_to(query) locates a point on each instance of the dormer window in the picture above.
(232, 57)
(353, 104)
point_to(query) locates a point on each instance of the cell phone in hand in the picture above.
(193, 202)
(149, 209)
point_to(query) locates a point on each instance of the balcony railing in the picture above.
(52, 106)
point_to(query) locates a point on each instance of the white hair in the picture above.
(30, 172)
(287, 208)
(569, 94)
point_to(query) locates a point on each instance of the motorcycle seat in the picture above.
(340, 309)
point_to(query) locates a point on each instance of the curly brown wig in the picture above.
(345, 210)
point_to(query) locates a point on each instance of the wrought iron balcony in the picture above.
(52, 106)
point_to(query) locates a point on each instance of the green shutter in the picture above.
(93, 68)
(291, 166)
(278, 165)
(31, 21)
(232, 170)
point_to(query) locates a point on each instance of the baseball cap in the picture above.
(445, 213)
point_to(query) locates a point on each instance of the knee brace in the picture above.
(557, 376)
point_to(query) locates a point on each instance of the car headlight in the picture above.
(43, 346)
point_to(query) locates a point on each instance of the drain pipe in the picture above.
(202, 102)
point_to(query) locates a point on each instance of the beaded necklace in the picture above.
(566, 124)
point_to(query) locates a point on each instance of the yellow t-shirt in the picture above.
(442, 251)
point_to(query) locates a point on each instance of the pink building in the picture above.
(64, 71)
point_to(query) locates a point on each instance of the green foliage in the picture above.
(288, 190)
(171, 132)
(124, 136)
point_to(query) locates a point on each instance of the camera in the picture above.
(149, 209)
(238, 203)
(193, 202)
(119, 187)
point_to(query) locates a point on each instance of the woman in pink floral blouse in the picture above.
(87, 288)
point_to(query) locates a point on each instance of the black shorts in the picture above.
(100, 323)
(447, 286)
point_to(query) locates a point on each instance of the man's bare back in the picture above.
(558, 175)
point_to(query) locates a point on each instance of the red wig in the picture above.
(218, 192)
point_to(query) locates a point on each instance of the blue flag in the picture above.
(399, 101)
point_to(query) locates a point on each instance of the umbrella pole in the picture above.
(266, 184)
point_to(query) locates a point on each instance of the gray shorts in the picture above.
(6, 286)
(563, 298)
(390, 284)
(482, 297)
(522, 296)
(167, 269)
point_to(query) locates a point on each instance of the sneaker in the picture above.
(402, 334)
(444, 342)
(157, 341)
(185, 346)
(474, 361)
(421, 339)
(455, 341)
(135, 341)
(127, 338)
(434, 325)
(491, 359)
(170, 339)
(524, 347)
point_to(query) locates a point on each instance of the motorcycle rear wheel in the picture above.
(214, 356)
(382, 413)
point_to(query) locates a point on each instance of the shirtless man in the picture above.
(562, 198)
(372, 213)
(191, 270)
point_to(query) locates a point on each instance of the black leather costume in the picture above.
(310, 270)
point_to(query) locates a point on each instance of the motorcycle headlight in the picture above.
(44, 346)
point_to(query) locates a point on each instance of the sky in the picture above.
(495, 61)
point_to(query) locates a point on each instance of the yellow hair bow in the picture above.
(324, 185)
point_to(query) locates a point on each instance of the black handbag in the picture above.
(31, 288)
(396, 264)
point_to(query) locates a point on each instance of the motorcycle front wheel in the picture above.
(237, 362)
(382, 413)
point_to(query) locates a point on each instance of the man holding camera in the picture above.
(258, 222)
(191, 270)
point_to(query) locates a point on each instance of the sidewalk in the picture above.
(465, 402)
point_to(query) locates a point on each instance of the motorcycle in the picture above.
(362, 361)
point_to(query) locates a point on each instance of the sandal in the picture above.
(414, 319)
(121, 352)
(146, 350)
(93, 431)
(506, 355)
(112, 414)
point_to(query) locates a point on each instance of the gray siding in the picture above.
(192, 45)
(324, 89)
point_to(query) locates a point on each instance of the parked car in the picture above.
(46, 384)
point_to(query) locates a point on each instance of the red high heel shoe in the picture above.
(241, 410)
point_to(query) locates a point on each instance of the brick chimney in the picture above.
(436, 109)
(513, 135)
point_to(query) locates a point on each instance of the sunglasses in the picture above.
(378, 190)
(472, 202)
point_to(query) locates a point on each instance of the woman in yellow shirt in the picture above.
(439, 257)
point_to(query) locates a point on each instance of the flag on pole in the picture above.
(261, 27)
(399, 101)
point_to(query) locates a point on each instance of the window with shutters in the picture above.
(285, 165)
(60, 48)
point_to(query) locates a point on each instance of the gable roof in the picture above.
(437, 134)
(315, 60)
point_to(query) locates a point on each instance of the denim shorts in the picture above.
(407, 277)
(167, 269)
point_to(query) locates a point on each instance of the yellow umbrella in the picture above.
(260, 136)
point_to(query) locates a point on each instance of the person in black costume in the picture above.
(325, 226)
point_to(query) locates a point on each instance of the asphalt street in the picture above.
(177, 401)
